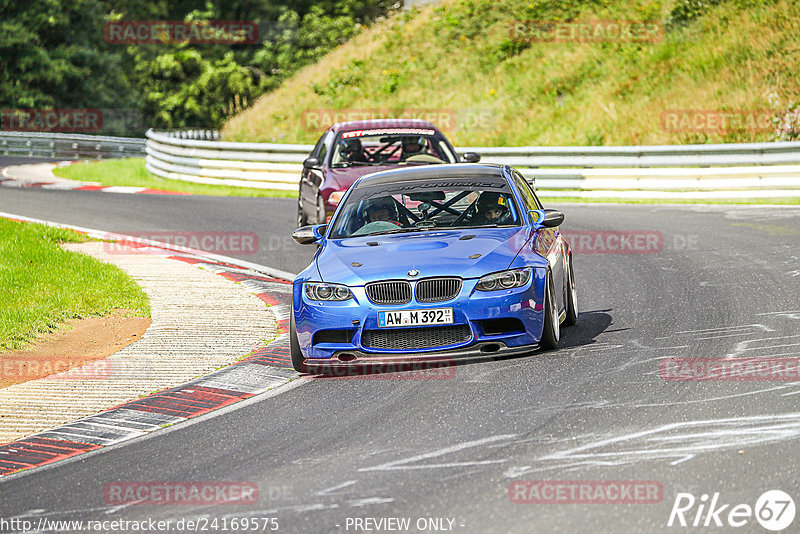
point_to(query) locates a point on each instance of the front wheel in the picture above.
(551, 330)
(572, 296)
(302, 220)
(320, 210)
(294, 348)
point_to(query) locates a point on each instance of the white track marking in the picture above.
(721, 330)
(402, 464)
(743, 346)
(675, 441)
(706, 400)
(369, 501)
(790, 314)
(332, 490)
(638, 344)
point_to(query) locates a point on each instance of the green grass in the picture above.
(42, 285)
(459, 58)
(131, 172)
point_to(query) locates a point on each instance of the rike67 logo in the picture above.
(774, 510)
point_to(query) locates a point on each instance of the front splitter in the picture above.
(356, 357)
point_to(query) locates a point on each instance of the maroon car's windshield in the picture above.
(426, 206)
(384, 146)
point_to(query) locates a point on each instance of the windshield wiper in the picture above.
(398, 231)
(357, 164)
(492, 225)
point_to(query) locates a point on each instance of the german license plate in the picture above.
(415, 317)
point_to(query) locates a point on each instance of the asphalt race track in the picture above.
(148, 215)
(335, 453)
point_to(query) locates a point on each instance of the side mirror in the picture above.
(319, 231)
(308, 235)
(547, 218)
(471, 157)
(310, 161)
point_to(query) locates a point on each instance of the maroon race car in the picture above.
(349, 150)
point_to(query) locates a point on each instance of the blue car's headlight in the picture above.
(323, 291)
(504, 280)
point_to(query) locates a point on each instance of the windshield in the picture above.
(424, 205)
(391, 146)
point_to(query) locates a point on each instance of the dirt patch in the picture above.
(87, 343)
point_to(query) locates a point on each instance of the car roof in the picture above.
(382, 123)
(427, 172)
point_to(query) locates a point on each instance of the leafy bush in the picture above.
(687, 10)
(52, 55)
(342, 84)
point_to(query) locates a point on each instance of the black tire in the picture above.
(551, 330)
(572, 296)
(320, 210)
(302, 220)
(294, 348)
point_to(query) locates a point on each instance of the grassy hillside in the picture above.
(463, 63)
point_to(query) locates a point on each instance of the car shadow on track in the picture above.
(589, 326)
(584, 333)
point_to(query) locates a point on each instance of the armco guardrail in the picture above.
(69, 146)
(644, 156)
(668, 171)
(699, 171)
(259, 165)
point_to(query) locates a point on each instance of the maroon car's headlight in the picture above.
(504, 280)
(336, 197)
(328, 292)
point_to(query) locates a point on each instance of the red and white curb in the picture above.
(69, 185)
(264, 369)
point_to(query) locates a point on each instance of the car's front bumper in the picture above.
(472, 308)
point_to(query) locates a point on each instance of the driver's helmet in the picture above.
(351, 149)
(375, 209)
(413, 144)
(492, 206)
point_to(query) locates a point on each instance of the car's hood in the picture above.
(339, 179)
(442, 253)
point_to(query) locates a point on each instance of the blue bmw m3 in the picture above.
(432, 262)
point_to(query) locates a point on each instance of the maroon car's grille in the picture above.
(391, 292)
(416, 338)
(437, 289)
